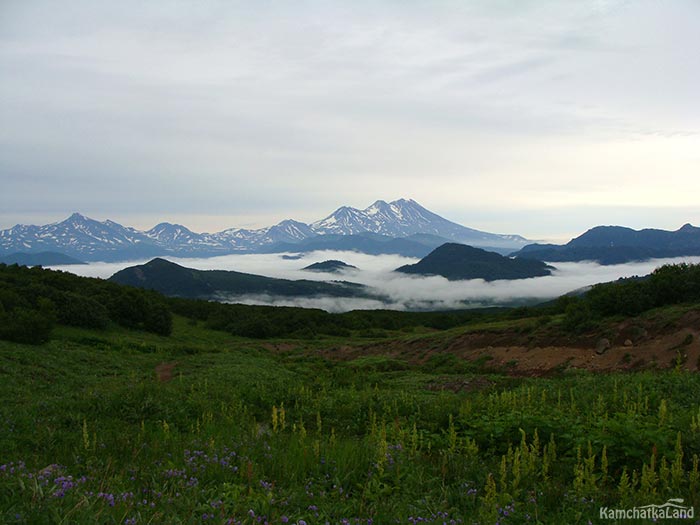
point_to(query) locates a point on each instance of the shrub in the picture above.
(78, 310)
(578, 316)
(26, 326)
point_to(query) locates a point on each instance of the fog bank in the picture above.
(402, 291)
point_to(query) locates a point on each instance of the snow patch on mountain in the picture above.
(404, 217)
(88, 239)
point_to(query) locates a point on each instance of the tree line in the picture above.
(33, 300)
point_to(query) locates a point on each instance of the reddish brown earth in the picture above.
(164, 371)
(634, 344)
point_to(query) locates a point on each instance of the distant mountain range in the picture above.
(402, 226)
(172, 279)
(458, 262)
(616, 245)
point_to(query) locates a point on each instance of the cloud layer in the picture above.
(218, 114)
(404, 292)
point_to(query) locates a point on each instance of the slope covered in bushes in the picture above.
(32, 300)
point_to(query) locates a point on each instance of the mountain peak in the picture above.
(404, 217)
(378, 204)
(160, 262)
(290, 222)
(77, 217)
(169, 226)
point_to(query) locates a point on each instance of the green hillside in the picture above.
(174, 280)
(116, 424)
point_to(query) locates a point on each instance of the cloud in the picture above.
(146, 109)
(403, 292)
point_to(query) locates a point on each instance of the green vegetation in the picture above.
(264, 322)
(668, 285)
(32, 300)
(91, 435)
(106, 422)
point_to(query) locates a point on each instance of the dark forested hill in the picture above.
(172, 279)
(617, 245)
(332, 266)
(458, 261)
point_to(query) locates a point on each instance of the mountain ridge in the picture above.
(88, 239)
(618, 244)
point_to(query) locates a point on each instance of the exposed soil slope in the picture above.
(653, 342)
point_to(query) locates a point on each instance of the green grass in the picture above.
(89, 434)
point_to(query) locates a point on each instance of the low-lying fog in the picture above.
(404, 292)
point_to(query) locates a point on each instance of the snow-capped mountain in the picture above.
(179, 238)
(87, 239)
(77, 235)
(405, 217)
(168, 233)
(285, 231)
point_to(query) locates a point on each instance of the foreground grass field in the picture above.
(122, 426)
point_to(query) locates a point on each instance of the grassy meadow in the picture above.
(117, 425)
(120, 405)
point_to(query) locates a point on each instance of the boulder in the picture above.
(602, 346)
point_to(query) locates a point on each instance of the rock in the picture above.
(602, 346)
(639, 332)
(628, 342)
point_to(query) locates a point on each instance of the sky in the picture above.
(402, 291)
(536, 117)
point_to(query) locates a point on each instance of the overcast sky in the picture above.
(535, 117)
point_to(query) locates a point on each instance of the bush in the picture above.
(257, 328)
(578, 316)
(158, 319)
(26, 326)
(84, 312)
(79, 301)
(132, 308)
